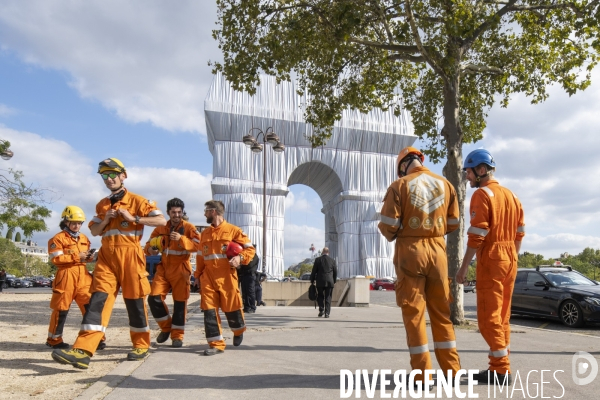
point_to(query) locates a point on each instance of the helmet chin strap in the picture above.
(478, 177)
(410, 158)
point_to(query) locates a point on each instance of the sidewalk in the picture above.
(289, 353)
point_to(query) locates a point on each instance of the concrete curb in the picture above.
(110, 381)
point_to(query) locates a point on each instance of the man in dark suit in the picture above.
(324, 272)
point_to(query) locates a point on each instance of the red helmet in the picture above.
(233, 249)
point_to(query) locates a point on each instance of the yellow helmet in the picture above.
(111, 164)
(159, 243)
(73, 214)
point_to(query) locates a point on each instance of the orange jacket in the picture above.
(213, 245)
(64, 249)
(177, 252)
(496, 216)
(119, 232)
(421, 204)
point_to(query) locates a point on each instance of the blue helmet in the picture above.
(477, 157)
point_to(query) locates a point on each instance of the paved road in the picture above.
(387, 298)
(31, 290)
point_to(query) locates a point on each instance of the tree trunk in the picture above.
(453, 172)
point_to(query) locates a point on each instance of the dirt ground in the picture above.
(26, 367)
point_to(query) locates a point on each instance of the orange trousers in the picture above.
(220, 290)
(496, 274)
(176, 277)
(422, 270)
(117, 267)
(70, 284)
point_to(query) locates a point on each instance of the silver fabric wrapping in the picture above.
(351, 173)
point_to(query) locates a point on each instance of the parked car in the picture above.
(470, 287)
(40, 281)
(290, 279)
(305, 277)
(17, 283)
(271, 278)
(383, 284)
(27, 283)
(557, 293)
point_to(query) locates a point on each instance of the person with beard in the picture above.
(175, 241)
(120, 220)
(69, 250)
(217, 276)
(495, 235)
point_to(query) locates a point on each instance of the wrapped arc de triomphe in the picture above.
(351, 173)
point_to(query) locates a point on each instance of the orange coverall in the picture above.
(497, 222)
(219, 281)
(173, 272)
(418, 210)
(72, 281)
(121, 264)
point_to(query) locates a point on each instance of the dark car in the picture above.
(40, 281)
(556, 293)
(383, 284)
(305, 277)
(17, 283)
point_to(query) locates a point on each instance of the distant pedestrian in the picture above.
(324, 273)
(2, 279)
(246, 275)
(495, 235)
(260, 277)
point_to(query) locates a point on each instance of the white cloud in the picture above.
(6, 111)
(144, 59)
(556, 244)
(72, 179)
(298, 239)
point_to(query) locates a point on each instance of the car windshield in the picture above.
(568, 279)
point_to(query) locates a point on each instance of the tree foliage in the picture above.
(22, 206)
(445, 61)
(356, 54)
(11, 258)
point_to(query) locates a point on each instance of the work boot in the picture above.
(488, 379)
(250, 311)
(162, 337)
(137, 354)
(212, 351)
(101, 345)
(237, 340)
(76, 357)
(61, 345)
(321, 313)
(326, 315)
(262, 303)
(177, 343)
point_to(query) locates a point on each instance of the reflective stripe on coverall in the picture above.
(497, 221)
(121, 264)
(418, 210)
(173, 272)
(219, 286)
(72, 281)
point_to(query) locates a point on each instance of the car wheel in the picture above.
(380, 288)
(571, 314)
(474, 290)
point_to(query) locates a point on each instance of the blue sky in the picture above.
(128, 79)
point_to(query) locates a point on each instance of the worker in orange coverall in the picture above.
(180, 239)
(69, 250)
(497, 229)
(218, 279)
(120, 220)
(418, 210)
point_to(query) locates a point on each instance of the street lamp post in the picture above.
(268, 137)
(5, 151)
